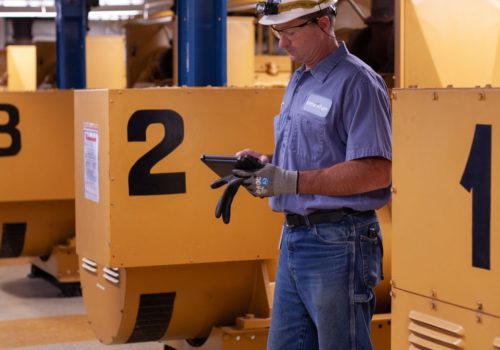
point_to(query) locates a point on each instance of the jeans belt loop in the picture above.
(306, 219)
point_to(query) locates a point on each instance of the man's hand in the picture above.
(268, 181)
(250, 152)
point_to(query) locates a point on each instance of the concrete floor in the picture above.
(34, 315)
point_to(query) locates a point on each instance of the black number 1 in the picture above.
(477, 178)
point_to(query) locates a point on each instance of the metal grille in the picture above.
(12, 240)
(153, 317)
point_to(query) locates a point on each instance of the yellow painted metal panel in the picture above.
(201, 296)
(478, 330)
(106, 62)
(442, 43)
(240, 51)
(44, 224)
(36, 158)
(21, 67)
(380, 333)
(62, 263)
(41, 166)
(93, 227)
(432, 251)
(160, 229)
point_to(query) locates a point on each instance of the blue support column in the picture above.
(70, 31)
(202, 42)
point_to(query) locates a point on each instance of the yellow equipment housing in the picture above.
(36, 158)
(442, 43)
(446, 251)
(156, 263)
(21, 67)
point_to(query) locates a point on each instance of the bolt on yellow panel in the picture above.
(446, 195)
(157, 136)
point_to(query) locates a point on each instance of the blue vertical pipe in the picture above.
(70, 33)
(202, 42)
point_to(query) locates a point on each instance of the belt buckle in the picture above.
(288, 225)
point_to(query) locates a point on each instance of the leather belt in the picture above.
(318, 217)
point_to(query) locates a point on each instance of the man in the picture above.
(331, 168)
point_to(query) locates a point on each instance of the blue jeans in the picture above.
(323, 297)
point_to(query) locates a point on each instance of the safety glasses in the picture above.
(291, 31)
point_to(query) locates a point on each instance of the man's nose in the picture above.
(284, 41)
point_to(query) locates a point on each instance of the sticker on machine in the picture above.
(91, 161)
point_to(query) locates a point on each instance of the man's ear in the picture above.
(324, 23)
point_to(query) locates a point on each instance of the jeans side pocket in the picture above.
(371, 251)
(332, 233)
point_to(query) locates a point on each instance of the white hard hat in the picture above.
(282, 11)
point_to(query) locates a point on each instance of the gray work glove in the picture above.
(268, 181)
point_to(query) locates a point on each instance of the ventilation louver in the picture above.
(429, 332)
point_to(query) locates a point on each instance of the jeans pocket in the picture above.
(332, 233)
(371, 251)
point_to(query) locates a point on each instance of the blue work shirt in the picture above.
(337, 111)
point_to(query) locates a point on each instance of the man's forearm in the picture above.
(347, 178)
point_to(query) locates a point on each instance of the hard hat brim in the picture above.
(288, 16)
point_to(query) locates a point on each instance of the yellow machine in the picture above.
(36, 199)
(21, 67)
(156, 263)
(445, 253)
(445, 284)
(442, 43)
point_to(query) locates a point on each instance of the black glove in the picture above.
(223, 207)
(224, 204)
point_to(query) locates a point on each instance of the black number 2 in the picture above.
(10, 129)
(477, 177)
(140, 180)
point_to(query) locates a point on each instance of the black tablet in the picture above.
(221, 165)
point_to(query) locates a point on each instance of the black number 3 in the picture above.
(10, 129)
(140, 180)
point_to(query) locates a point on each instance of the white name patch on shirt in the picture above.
(317, 105)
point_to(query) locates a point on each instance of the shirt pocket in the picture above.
(310, 136)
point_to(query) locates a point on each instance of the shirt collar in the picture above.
(325, 66)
